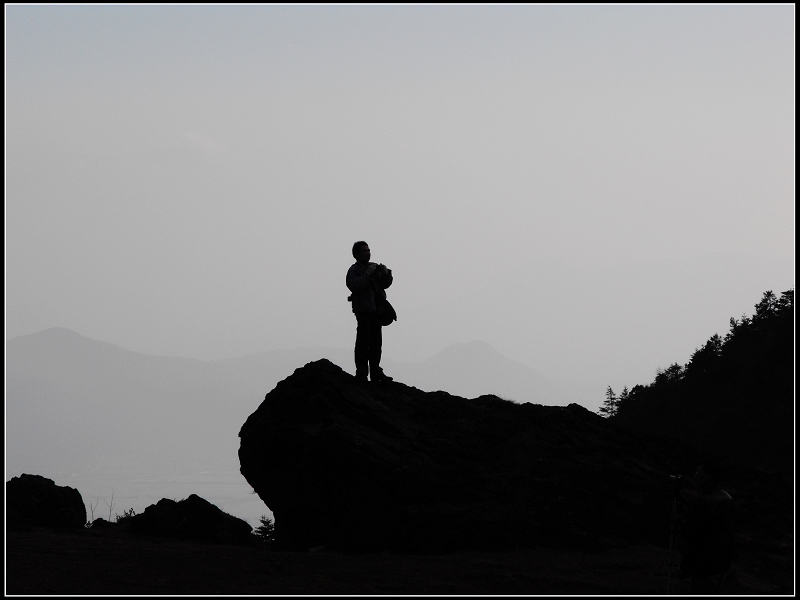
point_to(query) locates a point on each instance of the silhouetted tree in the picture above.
(609, 408)
(671, 374)
(266, 531)
(705, 359)
(623, 396)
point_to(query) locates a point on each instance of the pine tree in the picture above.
(611, 403)
(266, 531)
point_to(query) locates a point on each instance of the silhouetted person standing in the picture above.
(707, 524)
(367, 282)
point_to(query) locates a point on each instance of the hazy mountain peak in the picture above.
(61, 354)
(52, 333)
(476, 353)
(474, 368)
(62, 331)
(55, 349)
(59, 338)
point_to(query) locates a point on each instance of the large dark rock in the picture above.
(193, 518)
(369, 466)
(33, 500)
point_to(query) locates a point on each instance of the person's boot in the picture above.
(380, 376)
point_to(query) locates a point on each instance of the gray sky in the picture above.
(189, 180)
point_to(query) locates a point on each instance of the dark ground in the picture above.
(109, 562)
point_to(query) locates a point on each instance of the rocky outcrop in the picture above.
(33, 500)
(193, 518)
(371, 466)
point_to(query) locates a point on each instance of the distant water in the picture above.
(228, 490)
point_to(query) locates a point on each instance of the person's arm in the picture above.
(356, 281)
(384, 276)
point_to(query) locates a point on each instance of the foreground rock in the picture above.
(33, 500)
(193, 518)
(368, 466)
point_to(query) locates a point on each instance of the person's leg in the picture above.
(375, 344)
(361, 352)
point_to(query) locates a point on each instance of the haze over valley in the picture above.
(106, 419)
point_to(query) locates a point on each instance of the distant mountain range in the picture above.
(74, 404)
(475, 368)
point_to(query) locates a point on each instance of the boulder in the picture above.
(101, 523)
(193, 518)
(370, 466)
(33, 500)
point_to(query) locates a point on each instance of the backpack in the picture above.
(385, 311)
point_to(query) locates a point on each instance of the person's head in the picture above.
(361, 251)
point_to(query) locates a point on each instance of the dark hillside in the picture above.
(735, 397)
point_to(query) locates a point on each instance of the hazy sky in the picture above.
(189, 180)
